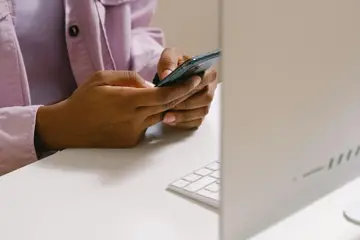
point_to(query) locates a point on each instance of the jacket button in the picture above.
(74, 31)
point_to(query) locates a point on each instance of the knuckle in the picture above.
(210, 76)
(136, 76)
(209, 97)
(198, 122)
(213, 74)
(99, 77)
(135, 79)
(138, 79)
(132, 75)
(206, 110)
(99, 74)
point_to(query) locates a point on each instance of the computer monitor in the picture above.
(290, 107)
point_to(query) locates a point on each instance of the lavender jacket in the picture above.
(91, 46)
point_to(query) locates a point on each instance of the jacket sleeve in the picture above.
(17, 126)
(147, 42)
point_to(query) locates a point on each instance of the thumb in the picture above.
(122, 79)
(168, 62)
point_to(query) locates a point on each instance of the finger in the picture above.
(208, 84)
(208, 77)
(183, 59)
(152, 120)
(168, 62)
(163, 96)
(188, 125)
(174, 117)
(151, 110)
(198, 100)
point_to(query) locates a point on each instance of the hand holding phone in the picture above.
(194, 66)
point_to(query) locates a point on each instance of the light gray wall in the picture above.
(190, 25)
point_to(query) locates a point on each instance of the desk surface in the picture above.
(113, 194)
(120, 194)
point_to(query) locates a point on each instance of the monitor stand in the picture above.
(352, 213)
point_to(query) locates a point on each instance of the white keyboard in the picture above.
(202, 185)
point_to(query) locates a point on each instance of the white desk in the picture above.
(112, 194)
(120, 194)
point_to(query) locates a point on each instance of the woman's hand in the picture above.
(194, 107)
(111, 110)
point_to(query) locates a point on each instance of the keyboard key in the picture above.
(214, 166)
(203, 172)
(203, 182)
(213, 187)
(216, 174)
(180, 183)
(209, 194)
(192, 177)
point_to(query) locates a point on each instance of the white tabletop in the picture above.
(113, 194)
(121, 194)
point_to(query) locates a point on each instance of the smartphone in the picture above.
(194, 66)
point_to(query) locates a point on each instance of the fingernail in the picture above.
(169, 118)
(149, 84)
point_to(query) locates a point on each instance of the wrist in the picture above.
(48, 131)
